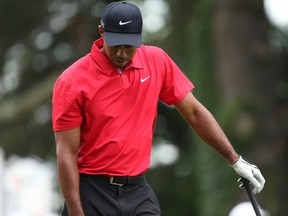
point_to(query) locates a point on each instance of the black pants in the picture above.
(99, 198)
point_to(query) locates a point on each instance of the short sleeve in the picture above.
(176, 85)
(66, 108)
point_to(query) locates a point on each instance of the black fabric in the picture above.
(120, 179)
(100, 198)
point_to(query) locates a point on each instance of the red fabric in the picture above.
(116, 112)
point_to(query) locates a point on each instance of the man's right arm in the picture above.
(67, 145)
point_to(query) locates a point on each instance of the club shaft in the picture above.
(251, 197)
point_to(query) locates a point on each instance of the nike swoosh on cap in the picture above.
(124, 23)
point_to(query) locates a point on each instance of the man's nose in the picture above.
(121, 50)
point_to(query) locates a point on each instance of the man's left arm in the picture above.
(208, 129)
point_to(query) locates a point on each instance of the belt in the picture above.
(119, 180)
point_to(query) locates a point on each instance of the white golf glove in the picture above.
(249, 172)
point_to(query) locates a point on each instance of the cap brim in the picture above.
(116, 39)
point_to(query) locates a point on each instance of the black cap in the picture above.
(122, 23)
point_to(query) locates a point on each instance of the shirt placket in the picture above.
(124, 78)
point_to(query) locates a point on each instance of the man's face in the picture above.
(120, 56)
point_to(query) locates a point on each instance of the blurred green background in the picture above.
(234, 55)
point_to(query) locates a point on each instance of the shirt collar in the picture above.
(105, 64)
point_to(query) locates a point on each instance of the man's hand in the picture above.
(249, 172)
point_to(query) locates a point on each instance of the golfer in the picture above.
(104, 114)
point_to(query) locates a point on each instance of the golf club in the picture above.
(253, 201)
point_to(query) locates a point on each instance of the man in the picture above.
(104, 113)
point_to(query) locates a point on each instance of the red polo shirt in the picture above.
(116, 110)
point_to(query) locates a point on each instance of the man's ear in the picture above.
(101, 30)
